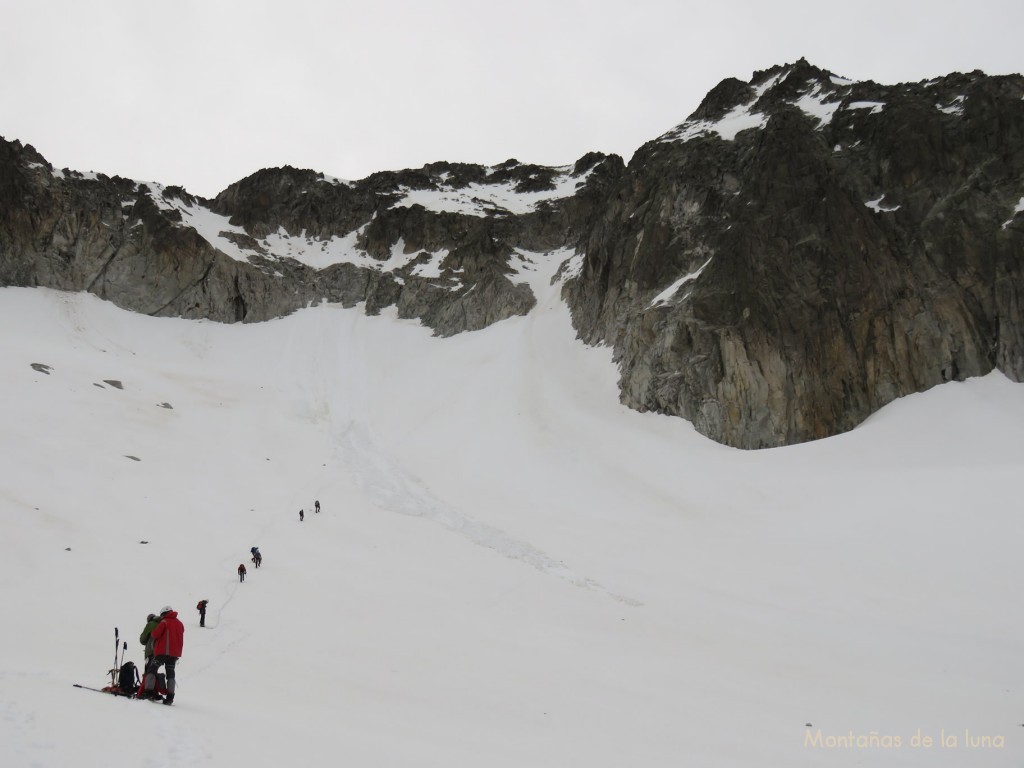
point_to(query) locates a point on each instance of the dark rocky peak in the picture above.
(801, 73)
(179, 193)
(973, 95)
(14, 152)
(767, 88)
(789, 85)
(456, 175)
(393, 182)
(19, 187)
(591, 160)
(521, 177)
(24, 160)
(843, 109)
(734, 106)
(297, 200)
(525, 177)
(722, 99)
(284, 182)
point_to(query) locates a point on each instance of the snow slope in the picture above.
(510, 568)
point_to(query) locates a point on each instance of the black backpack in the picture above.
(128, 678)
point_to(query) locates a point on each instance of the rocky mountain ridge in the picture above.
(799, 252)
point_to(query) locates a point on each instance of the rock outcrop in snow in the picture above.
(801, 251)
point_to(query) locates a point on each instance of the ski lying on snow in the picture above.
(101, 690)
(116, 693)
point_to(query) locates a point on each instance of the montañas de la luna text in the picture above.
(919, 740)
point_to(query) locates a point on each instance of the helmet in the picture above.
(165, 609)
(151, 617)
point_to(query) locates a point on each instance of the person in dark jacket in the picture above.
(168, 642)
(316, 506)
(258, 558)
(302, 515)
(201, 607)
(241, 571)
(146, 638)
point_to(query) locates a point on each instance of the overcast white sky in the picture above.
(202, 93)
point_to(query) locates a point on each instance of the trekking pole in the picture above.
(124, 650)
(117, 643)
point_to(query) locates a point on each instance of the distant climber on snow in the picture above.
(302, 515)
(201, 607)
(316, 506)
(241, 571)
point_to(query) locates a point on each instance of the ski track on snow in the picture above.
(180, 746)
(390, 488)
(21, 722)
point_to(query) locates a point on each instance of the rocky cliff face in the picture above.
(804, 249)
(441, 244)
(798, 253)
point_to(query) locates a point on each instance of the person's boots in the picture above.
(148, 686)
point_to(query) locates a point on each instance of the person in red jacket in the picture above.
(168, 641)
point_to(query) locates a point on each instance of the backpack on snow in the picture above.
(128, 678)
